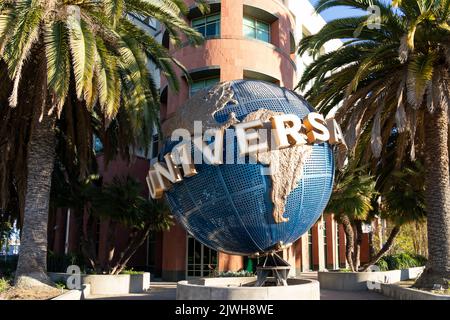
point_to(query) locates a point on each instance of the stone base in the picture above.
(110, 284)
(38, 280)
(401, 293)
(358, 281)
(241, 288)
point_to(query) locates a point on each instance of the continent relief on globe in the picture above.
(286, 165)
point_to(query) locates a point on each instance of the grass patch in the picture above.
(345, 270)
(131, 271)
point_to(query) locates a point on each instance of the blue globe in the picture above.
(228, 207)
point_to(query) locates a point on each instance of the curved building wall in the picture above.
(235, 55)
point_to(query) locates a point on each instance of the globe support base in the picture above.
(275, 265)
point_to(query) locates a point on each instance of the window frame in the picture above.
(256, 28)
(205, 23)
(204, 80)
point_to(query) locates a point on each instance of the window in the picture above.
(201, 84)
(310, 249)
(208, 26)
(98, 145)
(154, 150)
(256, 29)
(201, 260)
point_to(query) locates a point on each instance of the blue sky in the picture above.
(339, 12)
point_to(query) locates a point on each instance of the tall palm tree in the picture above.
(53, 49)
(351, 203)
(401, 202)
(394, 75)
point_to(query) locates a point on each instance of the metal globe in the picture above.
(228, 207)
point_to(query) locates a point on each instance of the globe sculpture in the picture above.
(238, 208)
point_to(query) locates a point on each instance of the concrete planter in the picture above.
(240, 288)
(357, 281)
(401, 293)
(111, 284)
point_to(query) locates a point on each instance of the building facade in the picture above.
(244, 39)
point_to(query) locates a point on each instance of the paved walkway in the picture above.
(167, 291)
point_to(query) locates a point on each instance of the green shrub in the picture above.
(242, 273)
(401, 261)
(4, 284)
(61, 284)
(383, 265)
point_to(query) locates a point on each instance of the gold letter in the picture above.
(154, 187)
(286, 136)
(336, 136)
(315, 128)
(168, 171)
(181, 155)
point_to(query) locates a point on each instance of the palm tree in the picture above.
(402, 202)
(351, 203)
(393, 76)
(51, 50)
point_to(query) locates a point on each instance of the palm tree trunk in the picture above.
(437, 200)
(349, 239)
(357, 246)
(371, 246)
(386, 247)
(32, 264)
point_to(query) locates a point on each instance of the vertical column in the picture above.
(318, 250)
(331, 242)
(74, 234)
(342, 242)
(60, 227)
(305, 253)
(174, 254)
(299, 253)
(231, 27)
(229, 262)
(289, 256)
(364, 248)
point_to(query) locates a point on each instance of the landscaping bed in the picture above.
(22, 294)
(404, 291)
(358, 281)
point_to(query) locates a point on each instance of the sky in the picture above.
(338, 12)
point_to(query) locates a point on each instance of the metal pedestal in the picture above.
(273, 265)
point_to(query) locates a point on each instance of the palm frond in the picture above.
(58, 63)
(83, 48)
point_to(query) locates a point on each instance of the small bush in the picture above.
(242, 273)
(383, 265)
(401, 261)
(4, 284)
(61, 284)
(131, 271)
